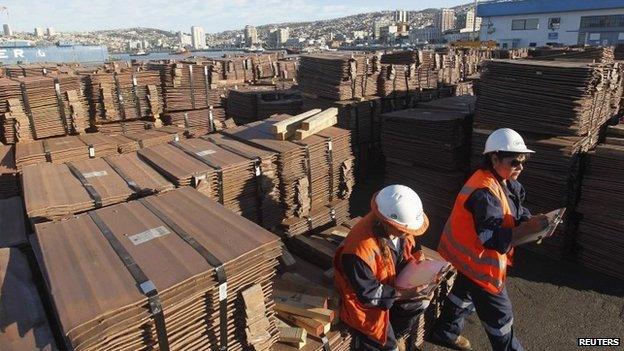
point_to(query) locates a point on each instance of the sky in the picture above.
(213, 15)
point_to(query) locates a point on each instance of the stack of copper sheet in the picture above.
(233, 70)
(9, 185)
(339, 76)
(405, 71)
(124, 97)
(587, 54)
(31, 70)
(268, 182)
(99, 145)
(142, 178)
(313, 172)
(575, 96)
(335, 212)
(23, 318)
(165, 272)
(265, 65)
(255, 103)
(427, 149)
(287, 68)
(12, 222)
(201, 121)
(599, 239)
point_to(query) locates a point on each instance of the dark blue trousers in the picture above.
(494, 311)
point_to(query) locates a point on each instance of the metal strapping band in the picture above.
(216, 167)
(210, 259)
(325, 342)
(354, 111)
(120, 98)
(211, 119)
(330, 155)
(137, 102)
(131, 183)
(186, 120)
(60, 106)
(28, 111)
(192, 81)
(85, 183)
(46, 150)
(146, 286)
(207, 85)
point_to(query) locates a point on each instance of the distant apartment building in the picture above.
(50, 32)
(251, 36)
(377, 29)
(198, 37)
(473, 23)
(444, 20)
(7, 30)
(400, 16)
(184, 40)
(359, 34)
(278, 36)
(388, 34)
(38, 32)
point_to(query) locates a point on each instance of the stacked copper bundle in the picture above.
(9, 185)
(37, 107)
(265, 65)
(124, 101)
(191, 97)
(253, 103)
(314, 172)
(339, 76)
(599, 239)
(405, 71)
(188, 298)
(23, 318)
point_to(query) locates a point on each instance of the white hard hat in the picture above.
(507, 140)
(402, 208)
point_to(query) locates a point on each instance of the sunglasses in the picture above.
(516, 162)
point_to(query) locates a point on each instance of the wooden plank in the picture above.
(312, 326)
(286, 128)
(319, 119)
(310, 300)
(302, 134)
(292, 334)
(289, 306)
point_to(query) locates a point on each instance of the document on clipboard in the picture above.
(554, 218)
(421, 273)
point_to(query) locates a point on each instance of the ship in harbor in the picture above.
(19, 52)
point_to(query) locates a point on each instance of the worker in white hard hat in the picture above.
(378, 247)
(477, 239)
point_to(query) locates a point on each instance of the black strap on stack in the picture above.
(210, 259)
(122, 108)
(131, 183)
(85, 183)
(60, 105)
(46, 150)
(28, 110)
(137, 102)
(146, 286)
(192, 82)
(332, 215)
(216, 167)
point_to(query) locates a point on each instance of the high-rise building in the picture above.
(400, 16)
(38, 32)
(472, 23)
(7, 30)
(50, 32)
(198, 37)
(377, 29)
(278, 36)
(184, 39)
(251, 36)
(445, 20)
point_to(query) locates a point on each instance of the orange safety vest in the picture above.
(460, 244)
(361, 241)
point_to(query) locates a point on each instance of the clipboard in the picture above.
(554, 219)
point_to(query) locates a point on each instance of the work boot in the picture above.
(461, 343)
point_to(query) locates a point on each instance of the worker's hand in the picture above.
(532, 225)
(410, 293)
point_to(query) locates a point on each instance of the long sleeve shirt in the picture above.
(487, 213)
(368, 289)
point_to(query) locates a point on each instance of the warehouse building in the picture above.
(531, 23)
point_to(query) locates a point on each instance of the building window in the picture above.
(602, 21)
(525, 24)
(554, 23)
